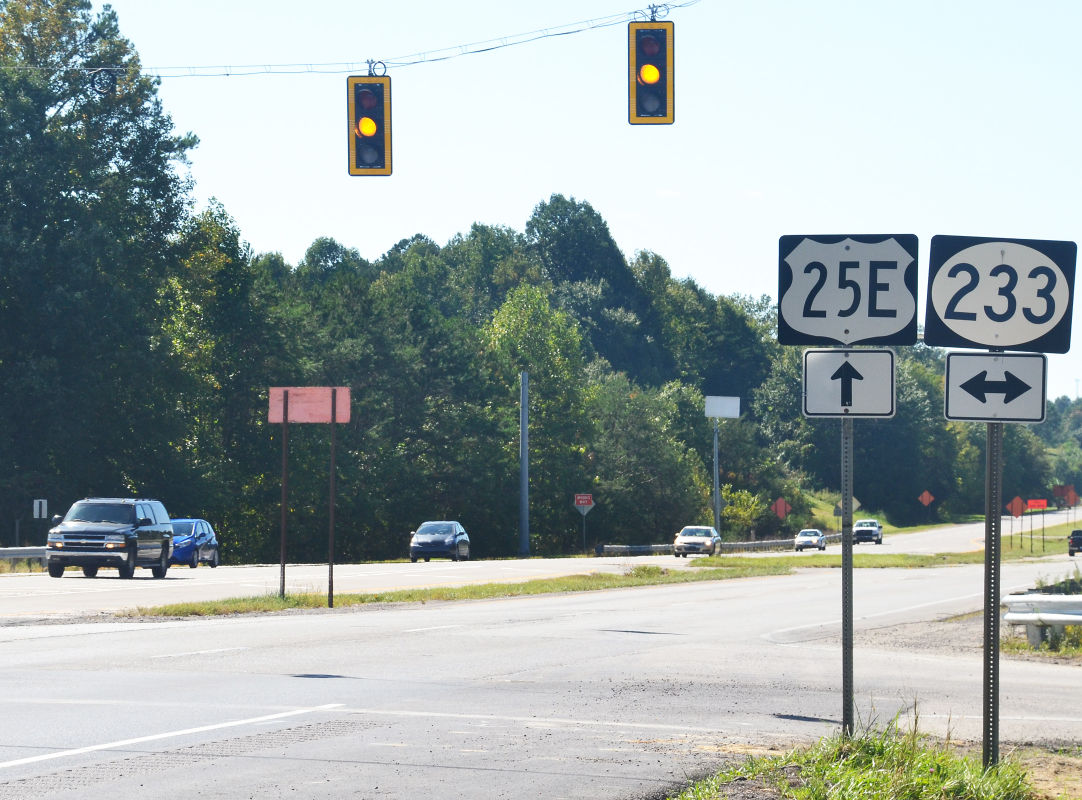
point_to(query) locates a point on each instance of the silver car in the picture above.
(696, 539)
(810, 537)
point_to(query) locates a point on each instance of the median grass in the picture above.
(882, 765)
(641, 575)
(708, 569)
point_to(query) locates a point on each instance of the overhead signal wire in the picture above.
(413, 59)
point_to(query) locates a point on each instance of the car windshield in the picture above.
(809, 533)
(695, 532)
(867, 523)
(119, 513)
(436, 528)
(183, 528)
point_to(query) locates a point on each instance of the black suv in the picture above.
(1074, 543)
(111, 532)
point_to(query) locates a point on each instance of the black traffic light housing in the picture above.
(369, 125)
(650, 73)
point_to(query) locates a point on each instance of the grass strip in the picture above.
(884, 765)
(642, 575)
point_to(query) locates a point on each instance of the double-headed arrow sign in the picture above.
(995, 387)
(1011, 387)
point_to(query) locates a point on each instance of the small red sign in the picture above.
(781, 508)
(1016, 507)
(1036, 504)
(1071, 497)
(926, 497)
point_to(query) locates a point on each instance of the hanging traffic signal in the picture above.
(369, 125)
(650, 73)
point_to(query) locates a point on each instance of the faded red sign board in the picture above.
(1016, 507)
(1036, 504)
(310, 403)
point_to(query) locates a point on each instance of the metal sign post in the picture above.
(847, 577)
(719, 406)
(992, 525)
(584, 503)
(1000, 294)
(310, 404)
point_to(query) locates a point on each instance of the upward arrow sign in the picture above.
(846, 373)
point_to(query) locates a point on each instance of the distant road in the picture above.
(34, 595)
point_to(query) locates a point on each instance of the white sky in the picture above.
(926, 117)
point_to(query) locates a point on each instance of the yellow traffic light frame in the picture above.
(351, 120)
(633, 115)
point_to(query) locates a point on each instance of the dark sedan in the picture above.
(442, 539)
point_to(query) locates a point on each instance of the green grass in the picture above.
(642, 575)
(886, 765)
(715, 568)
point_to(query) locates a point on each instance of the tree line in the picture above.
(140, 336)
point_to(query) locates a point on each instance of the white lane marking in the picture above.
(537, 721)
(167, 735)
(200, 652)
(891, 612)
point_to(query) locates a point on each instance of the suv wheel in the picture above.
(90, 572)
(127, 569)
(56, 570)
(159, 569)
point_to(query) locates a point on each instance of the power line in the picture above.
(413, 59)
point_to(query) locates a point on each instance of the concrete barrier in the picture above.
(1043, 614)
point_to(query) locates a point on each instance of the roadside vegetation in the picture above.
(884, 765)
(709, 569)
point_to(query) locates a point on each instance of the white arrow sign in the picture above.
(848, 383)
(995, 387)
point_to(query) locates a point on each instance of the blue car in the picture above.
(194, 542)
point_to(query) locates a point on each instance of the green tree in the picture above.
(92, 203)
(528, 334)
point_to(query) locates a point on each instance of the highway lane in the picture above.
(28, 595)
(25, 596)
(607, 695)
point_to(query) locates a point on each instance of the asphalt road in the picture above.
(24, 596)
(614, 695)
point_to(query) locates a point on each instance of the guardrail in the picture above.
(726, 547)
(23, 554)
(1043, 614)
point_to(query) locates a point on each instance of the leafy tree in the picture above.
(647, 482)
(528, 334)
(91, 202)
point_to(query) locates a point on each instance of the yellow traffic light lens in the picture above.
(649, 74)
(366, 126)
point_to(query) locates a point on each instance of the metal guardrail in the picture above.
(726, 547)
(23, 554)
(1043, 613)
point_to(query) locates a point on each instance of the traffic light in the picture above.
(650, 73)
(369, 125)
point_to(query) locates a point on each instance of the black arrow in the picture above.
(1011, 387)
(846, 373)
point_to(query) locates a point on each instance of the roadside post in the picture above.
(999, 294)
(847, 290)
(726, 407)
(319, 404)
(583, 504)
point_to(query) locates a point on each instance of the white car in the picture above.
(810, 537)
(696, 539)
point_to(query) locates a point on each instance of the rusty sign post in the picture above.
(308, 404)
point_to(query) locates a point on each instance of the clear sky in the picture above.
(926, 117)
